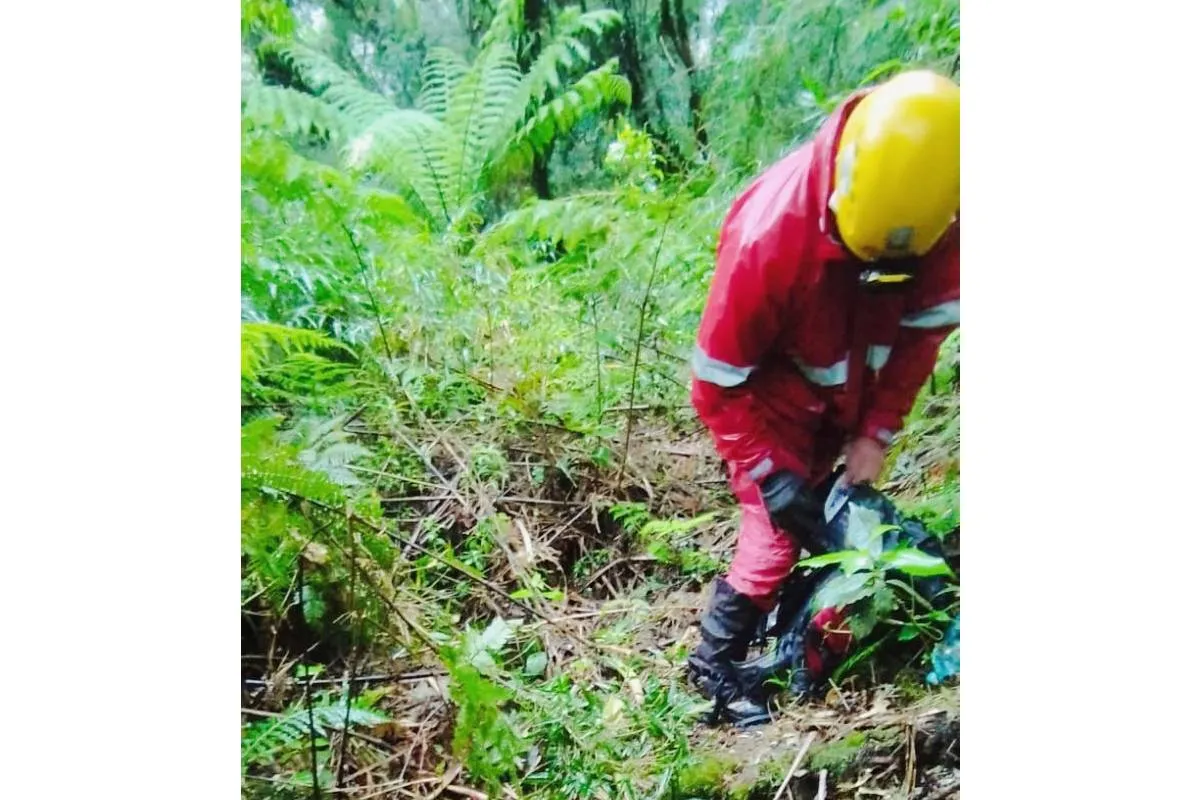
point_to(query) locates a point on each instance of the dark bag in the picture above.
(810, 641)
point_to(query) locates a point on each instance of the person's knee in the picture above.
(759, 573)
(762, 592)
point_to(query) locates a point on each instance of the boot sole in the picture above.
(752, 722)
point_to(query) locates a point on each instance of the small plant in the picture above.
(865, 579)
(489, 465)
(285, 741)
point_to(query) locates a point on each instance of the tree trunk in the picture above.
(630, 60)
(540, 174)
(673, 25)
(529, 48)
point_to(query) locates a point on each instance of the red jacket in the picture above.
(790, 345)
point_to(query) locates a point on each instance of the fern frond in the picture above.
(358, 105)
(384, 209)
(560, 56)
(567, 220)
(289, 111)
(507, 23)
(595, 91)
(264, 740)
(270, 467)
(475, 116)
(408, 148)
(263, 342)
(442, 71)
(566, 50)
(269, 161)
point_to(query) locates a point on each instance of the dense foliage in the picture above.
(476, 244)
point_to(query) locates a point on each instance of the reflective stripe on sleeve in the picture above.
(833, 375)
(713, 370)
(938, 316)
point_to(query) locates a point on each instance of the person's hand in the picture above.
(864, 460)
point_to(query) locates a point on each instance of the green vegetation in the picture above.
(476, 239)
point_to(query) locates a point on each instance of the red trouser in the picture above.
(765, 555)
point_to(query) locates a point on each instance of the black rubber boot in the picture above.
(726, 629)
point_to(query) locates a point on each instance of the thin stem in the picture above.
(599, 376)
(637, 348)
(362, 269)
(312, 723)
(350, 683)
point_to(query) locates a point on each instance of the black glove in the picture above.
(794, 508)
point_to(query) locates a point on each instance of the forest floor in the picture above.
(876, 735)
(888, 739)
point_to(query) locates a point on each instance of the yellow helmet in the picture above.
(896, 169)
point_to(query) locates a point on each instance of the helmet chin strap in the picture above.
(882, 275)
(874, 277)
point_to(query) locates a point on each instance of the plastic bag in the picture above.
(945, 657)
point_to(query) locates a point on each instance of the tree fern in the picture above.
(566, 52)
(407, 148)
(471, 122)
(563, 54)
(476, 114)
(507, 23)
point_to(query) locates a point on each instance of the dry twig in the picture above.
(808, 740)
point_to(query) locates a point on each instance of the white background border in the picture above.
(120, 259)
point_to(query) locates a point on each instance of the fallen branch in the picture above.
(420, 498)
(451, 774)
(540, 501)
(410, 542)
(401, 677)
(393, 476)
(617, 563)
(466, 792)
(942, 794)
(910, 765)
(795, 763)
(392, 786)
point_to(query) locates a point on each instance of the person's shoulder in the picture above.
(779, 194)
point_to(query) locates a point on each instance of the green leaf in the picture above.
(313, 606)
(861, 526)
(849, 560)
(843, 590)
(479, 647)
(918, 563)
(535, 664)
(908, 631)
(497, 634)
(309, 670)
